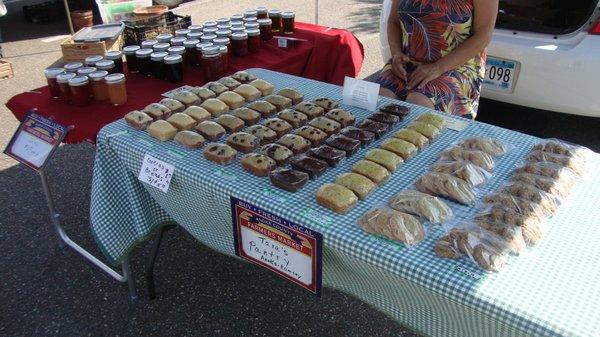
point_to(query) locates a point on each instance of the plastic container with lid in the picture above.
(224, 54)
(236, 17)
(250, 19)
(210, 30)
(236, 24)
(238, 29)
(208, 37)
(178, 41)
(158, 65)
(176, 50)
(195, 35)
(223, 33)
(251, 25)
(209, 24)
(261, 12)
(117, 91)
(164, 38)
(211, 63)
(275, 16)
(90, 61)
(182, 32)
(222, 21)
(174, 68)
(223, 26)
(144, 62)
(195, 28)
(108, 65)
(51, 74)
(148, 44)
(239, 44)
(264, 25)
(132, 64)
(190, 56)
(63, 86)
(253, 40)
(223, 42)
(161, 46)
(98, 85)
(80, 90)
(72, 67)
(117, 57)
(85, 71)
(287, 19)
(250, 13)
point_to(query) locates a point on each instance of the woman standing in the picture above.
(438, 53)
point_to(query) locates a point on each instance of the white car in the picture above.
(544, 54)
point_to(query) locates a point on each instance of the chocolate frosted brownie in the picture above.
(341, 142)
(289, 180)
(331, 155)
(365, 137)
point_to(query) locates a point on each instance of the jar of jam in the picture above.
(73, 67)
(178, 41)
(191, 57)
(253, 40)
(117, 92)
(182, 32)
(250, 20)
(132, 65)
(239, 44)
(85, 71)
(210, 30)
(223, 42)
(251, 25)
(222, 21)
(195, 35)
(144, 62)
(223, 27)
(63, 86)
(51, 74)
(287, 19)
(199, 48)
(161, 46)
(158, 65)
(209, 24)
(236, 17)
(250, 13)
(208, 37)
(90, 61)
(174, 68)
(108, 65)
(148, 44)
(238, 29)
(211, 63)
(237, 24)
(98, 84)
(80, 90)
(264, 25)
(275, 16)
(224, 54)
(117, 57)
(195, 29)
(164, 38)
(223, 33)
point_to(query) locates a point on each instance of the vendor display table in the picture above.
(552, 290)
(328, 55)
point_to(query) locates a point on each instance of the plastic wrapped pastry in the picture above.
(336, 198)
(507, 216)
(359, 184)
(512, 236)
(479, 158)
(393, 225)
(412, 137)
(400, 147)
(547, 169)
(486, 144)
(533, 194)
(519, 205)
(189, 139)
(385, 158)
(433, 119)
(426, 129)
(559, 147)
(576, 164)
(466, 171)
(446, 185)
(162, 130)
(420, 204)
(138, 120)
(556, 188)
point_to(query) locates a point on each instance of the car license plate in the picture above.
(500, 74)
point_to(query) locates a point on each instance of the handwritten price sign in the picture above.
(156, 172)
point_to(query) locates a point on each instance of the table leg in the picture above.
(152, 261)
(129, 277)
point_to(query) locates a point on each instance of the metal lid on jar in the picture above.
(173, 59)
(195, 35)
(222, 41)
(114, 55)
(143, 53)
(85, 71)
(165, 37)
(251, 25)
(222, 49)
(261, 10)
(105, 64)
(274, 12)
(210, 24)
(98, 75)
(178, 40)
(237, 17)
(73, 66)
(148, 43)
(239, 36)
(130, 50)
(78, 81)
(237, 24)
(158, 56)
(253, 32)
(208, 37)
(210, 30)
(287, 15)
(264, 22)
(64, 77)
(240, 29)
(201, 45)
(182, 32)
(195, 28)
(161, 46)
(222, 21)
(250, 19)
(53, 72)
(176, 50)
(93, 59)
(223, 26)
(191, 43)
(223, 33)
(115, 78)
(250, 13)
(211, 50)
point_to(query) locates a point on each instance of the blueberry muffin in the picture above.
(295, 118)
(314, 135)
(210, 130)
(243, 141)
(278, 125)
(221, 154)
(325, 124)
(345, 118)
(295, 143)
(279, 102)
(263, 133)
(279, 153)
(258, 164)
(310, 109)
(326, 103)
(265, 108)
(292, 94)
(249, 116)
(230, 123)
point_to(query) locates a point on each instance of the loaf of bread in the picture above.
(336, 198)
(189, 139)
(162, 130)
(359, 184)
(232, 99)
(138, 120)
(182, 121)
(221, 154)
(215, 106)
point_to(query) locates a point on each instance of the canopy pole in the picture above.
(66, 3)
(316, 12)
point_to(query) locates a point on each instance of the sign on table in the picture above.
(35, 140)
(361, 94)
(287, 249)
(156, 172)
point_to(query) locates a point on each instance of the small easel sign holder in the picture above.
(33, 144)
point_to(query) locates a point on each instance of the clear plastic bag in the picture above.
(573, 163)
(423, 205)
(393, 225)
(488, 145)
(448, 186)
(528, 192)
(517, 229)
(466, 171)
(519, 205)
(548, 169)
(563, 148)
(477, 157)
(558, 188)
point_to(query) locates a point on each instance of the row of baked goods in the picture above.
(512, 218)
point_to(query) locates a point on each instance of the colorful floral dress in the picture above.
(430, 30)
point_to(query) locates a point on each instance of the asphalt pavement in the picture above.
(46, 291)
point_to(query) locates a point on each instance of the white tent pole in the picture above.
(317, 12)
(66, 2)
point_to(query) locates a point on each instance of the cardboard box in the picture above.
(72, 51)
(6, 70)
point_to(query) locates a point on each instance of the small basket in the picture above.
(6, 70)
(137, 31)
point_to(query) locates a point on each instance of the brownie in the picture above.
(385, 117)
(395, 109)
(365, 137)
(313, 166)
(341, 142)
(331, 155)
(287, 179)
(377, 128)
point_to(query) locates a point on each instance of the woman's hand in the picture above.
(424, 74)
(398, 61)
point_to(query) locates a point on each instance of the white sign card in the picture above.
(156, 172)
(457, 124)
(361, 94)
(282, 43)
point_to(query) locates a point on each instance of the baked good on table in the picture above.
(265, 87)
(561, 148)
(182, 121)
(263, 133)
(479, 158)
(203, 93)
(189, 139)
(287, 179)
(377, 173)
(384, 117)
(336, 198)
(279, 102)
(359, 184)
(508, 217)
(279, 153)
(385, 158)
(292, 94)
(557, 188)
(374, 127)
(232, 99)
(421, 204)
(187, 97)
(249, 116)
(365, 137)
(519, 205)
(216, 87)
(265, 108)
(393, 225)
(413, 137)
(210, 130)
(249, 92)
(395, 109)
(173, 104)
(345, 118)
(199, 114)
(243, 76)
(325, 124)
(400, 147)
(258, 164)
(329, 154)
(576, 165)
(426, 129)
(312, 166)
(229, 82)
(546, 169)
(486, 144)
(433, 119)
(466, 171)
(531, 193)
(230, 123)
(157, 111)
(221, 154)
(242, 141)
(341, 142)
(310, 109)
(326, 103)
(295, 118)
(511, 236)
(216, 107)
(278, 125)
(446, 247)
(297, 144)
(488, 259)
(138, 120)
(314, 135)
(446, 185)
(162, 130)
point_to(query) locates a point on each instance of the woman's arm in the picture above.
(394, 36)
(484, 20)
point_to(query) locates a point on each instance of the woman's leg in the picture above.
(387, 93)
(419, 99)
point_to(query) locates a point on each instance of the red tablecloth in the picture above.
(328, 55)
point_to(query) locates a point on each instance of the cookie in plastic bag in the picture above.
(576, 165)
(519, 205)
(548, 169)
(477, 157)
(562, 148)
(420, 204)
(488, 145)
(446, 185)
(533, 194)
(558, 188)
(510, 235)
(466, 171)
(394, 225)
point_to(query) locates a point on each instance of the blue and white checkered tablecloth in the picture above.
(552, 290)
